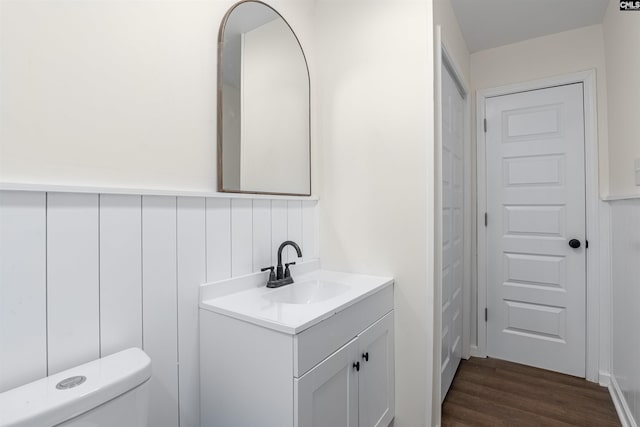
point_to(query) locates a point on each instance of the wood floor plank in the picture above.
(532, 372)
(502, 412)
(492, 392)
(545, 385)
(561, 411)
(547, 391)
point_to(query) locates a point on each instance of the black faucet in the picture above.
(281, 278)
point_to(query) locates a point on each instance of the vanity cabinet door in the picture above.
(327, 395)
(376, 379)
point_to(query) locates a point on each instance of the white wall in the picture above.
(115, 94)
(625, 269)
(375, 105)
(552, 55)
(621, 36)
(86, 275)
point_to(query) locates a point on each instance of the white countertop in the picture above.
(256, 304)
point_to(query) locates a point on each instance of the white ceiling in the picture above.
(492, 23)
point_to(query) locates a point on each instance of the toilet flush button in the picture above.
(71, 382)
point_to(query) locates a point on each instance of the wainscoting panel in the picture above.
(294, 227)
(242, 232)
(160, 306)
(87, 275)
(218, 239)
(310, 230)
(261, 234)
(73, 298)
(23, 288)
(278, 229)
(192, 272)
(625, 276)
(120, 273)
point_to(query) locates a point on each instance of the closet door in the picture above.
(452, 227)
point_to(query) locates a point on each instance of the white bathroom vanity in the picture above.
(318, 352)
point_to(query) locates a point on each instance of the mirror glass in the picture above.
(263, 104)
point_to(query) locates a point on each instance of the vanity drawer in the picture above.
(313, 345)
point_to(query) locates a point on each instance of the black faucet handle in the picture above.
(272, 275)
(287, 273)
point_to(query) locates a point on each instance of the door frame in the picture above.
(592, 321)
(442, 58)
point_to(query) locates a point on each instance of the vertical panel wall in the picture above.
(73, 317)
(261, 234)
(86, 275)
(242, 232)
(23, 292)
(218, 213)
(120, 273)
(294, 227)
(625, 276)
(310, 232)
(160, 305)
(278, 229)
(192, 272)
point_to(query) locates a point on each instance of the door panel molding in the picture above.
(443, 58)
(593, 305)
(452, 259)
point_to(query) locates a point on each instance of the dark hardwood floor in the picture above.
(491, 392)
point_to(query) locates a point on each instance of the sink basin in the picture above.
(309, 292)
(315, 295)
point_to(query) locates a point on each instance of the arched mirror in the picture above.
(263, 104)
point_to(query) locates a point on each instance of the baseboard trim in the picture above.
(624, 413)
(604, 378)
(474, 352)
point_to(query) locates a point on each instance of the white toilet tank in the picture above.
(108, 392)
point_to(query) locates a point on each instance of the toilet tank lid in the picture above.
(41, 403)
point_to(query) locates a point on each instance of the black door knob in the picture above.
(574, 243)
(356, 366)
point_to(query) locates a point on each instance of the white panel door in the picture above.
(376, 382)
(452, 228)
(536, 205)
(327, 395)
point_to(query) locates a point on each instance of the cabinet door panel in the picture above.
(376, 380)
(327, 395)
